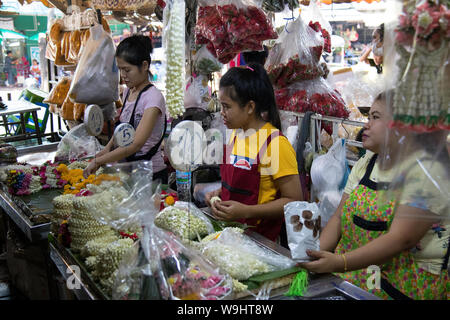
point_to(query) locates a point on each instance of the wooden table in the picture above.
(23, 108)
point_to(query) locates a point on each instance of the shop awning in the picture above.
(8, 34)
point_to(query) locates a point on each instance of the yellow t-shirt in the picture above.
(278, 161)
(425, 185)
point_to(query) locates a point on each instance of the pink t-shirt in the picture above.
(152, 98)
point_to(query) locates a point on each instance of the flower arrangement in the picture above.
(227, 29)
(313, 96)
(325, 35)
(421, 98)
(428, 22)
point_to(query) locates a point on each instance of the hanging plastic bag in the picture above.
(77, 144)
(232, 26)
(205, 62)
(197, 93)
(316, 96)
(329, 174)
(96, 79)
(296, 55)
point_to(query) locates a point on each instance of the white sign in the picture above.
(93, 119)
(7, 23)
(124, 134)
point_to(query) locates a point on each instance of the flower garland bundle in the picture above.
(19, 182)
(294, 70)
(174, 45)
(295, 56)
(228, 29)
(325, 35)
(422, 97)
(315, 96)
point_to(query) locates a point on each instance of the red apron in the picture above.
(240, 182)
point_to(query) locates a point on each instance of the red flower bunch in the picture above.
(294, 70)
(132, 236)
(429, 22)
(228, 30)
(327, 104)
(325, 35)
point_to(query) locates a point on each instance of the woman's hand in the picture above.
(90, 169)
(229, 210)
(326, 262)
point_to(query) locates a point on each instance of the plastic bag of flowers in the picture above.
(185, 220)
(316, 96)
(296, 55)
(241, 257)
(124, 212)
(164, 268)
(77, 144)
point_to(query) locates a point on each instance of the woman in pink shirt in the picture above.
(144, 108)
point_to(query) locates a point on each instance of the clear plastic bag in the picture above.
(164, 268)
(328, 175)
(96, 79)
(128, 213)
(77, 144)
(296, 55)
(196, 94)
(185, 220)
(205, 62)
(316, 96)
(240, 256)
(232, 26)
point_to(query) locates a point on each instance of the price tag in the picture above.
(124, 134)
(93, 119)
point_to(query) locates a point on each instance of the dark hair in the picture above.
(256, 56)
(8, 51)
(380, 30)
(135, 50)
(252, 85)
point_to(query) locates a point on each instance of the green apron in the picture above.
(363, 220)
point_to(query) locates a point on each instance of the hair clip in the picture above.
(247, 67)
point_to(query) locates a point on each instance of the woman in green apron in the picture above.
(399, 230)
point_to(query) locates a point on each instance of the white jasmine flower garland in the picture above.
(174, 42)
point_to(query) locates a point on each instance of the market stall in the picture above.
(116, 233)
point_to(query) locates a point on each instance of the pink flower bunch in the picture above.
(429, 22)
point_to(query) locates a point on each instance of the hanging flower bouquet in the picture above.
(315, 96)
(422, 39)
(230, 27)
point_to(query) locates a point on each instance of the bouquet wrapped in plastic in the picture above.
(296, 55)
(232, 26)
(185, 220)
(77, 144)
(164, 268)
(205, 62)
(240, 256)
(316, 96)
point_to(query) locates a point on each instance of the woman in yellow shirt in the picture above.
(259, 171)
(393, 214)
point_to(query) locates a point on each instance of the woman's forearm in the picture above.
(117, 154)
